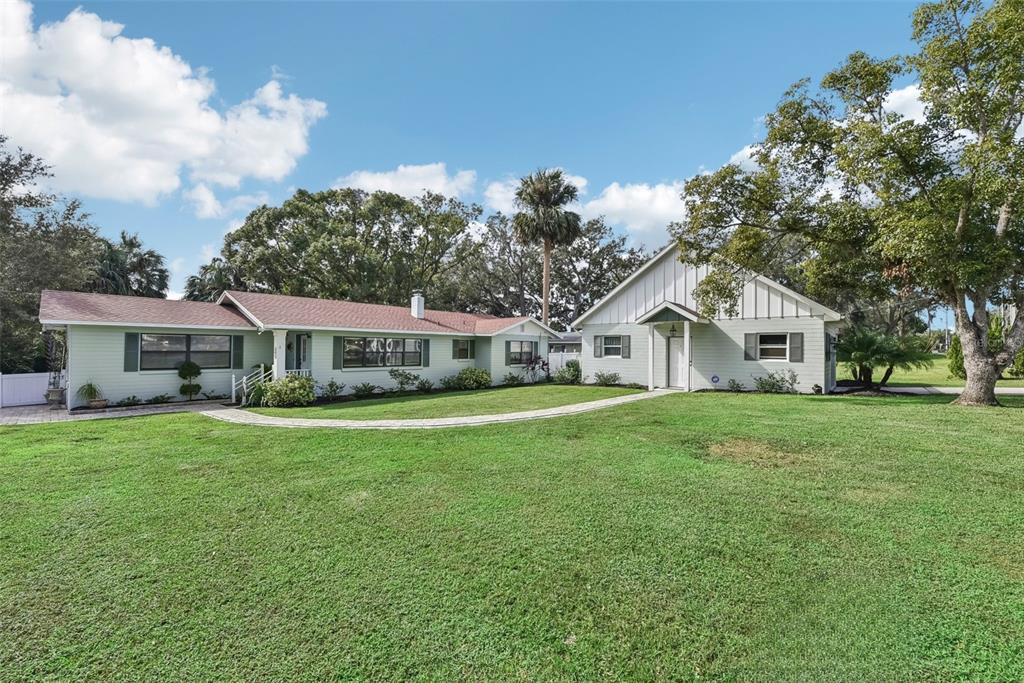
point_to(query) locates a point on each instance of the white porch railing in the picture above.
(240, 388)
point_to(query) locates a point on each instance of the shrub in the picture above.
(129, 401)
(365, 390)
(403, 379)
(736, 385)
(161, 398)
(450, 383)
(513, 379)
(424, 385)
(535, 367)
(777, 382)
(474, 378)
(188, 372)
(332, 390)
(570, 373)
(89, 392)
(256, 393)
(214, 397)
(606, 379)
(290, 390)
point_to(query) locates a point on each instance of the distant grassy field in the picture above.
(455, 404)
(935, 376)
(690, 537)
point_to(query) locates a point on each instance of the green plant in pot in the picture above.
(91, 394)
(188, 372)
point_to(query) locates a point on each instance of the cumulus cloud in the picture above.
(906, 101)
(410, 180)
(206, 205)
(124, 118)
(643, 210)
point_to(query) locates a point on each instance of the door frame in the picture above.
(684, 363)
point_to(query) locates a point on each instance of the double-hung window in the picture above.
(611, 346)
(520, 352)
(462, 349)
(773, 347)
(170, 351)
(369, 352)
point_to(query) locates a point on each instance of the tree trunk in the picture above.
(979, 364)
(886, 376)
(547, 279)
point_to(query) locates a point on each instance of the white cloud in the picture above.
(176, 266)
(206, 204)
(906, 101)
(174, 294)
(207, 252)
(411, 180)
(124, 118)
(643, 210)
(500, 195)
(744, 158)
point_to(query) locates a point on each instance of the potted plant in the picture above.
(91, 393)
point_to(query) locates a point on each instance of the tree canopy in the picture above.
(860, 198)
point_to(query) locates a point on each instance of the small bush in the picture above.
(290, 390)
(332, 390)
(129, 401)
(536, 367)
(736, 385)
(474, 378)
(160, 398)
(365, 389)
(606, 379)
(188, 371)
(403, 379)
(256, 394)
(570, 373)
(450, 383)
(424, 385)
(513, 379)
(777, 382)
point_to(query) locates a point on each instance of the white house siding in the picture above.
(632, 370)
(96, 354)
(490, 355)
(527, 332)
(717, 350)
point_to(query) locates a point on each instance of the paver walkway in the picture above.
(239, 416)
(27, 415)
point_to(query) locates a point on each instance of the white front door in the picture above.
(677, 363)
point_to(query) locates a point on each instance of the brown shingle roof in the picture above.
(276, 310)
(61, 307)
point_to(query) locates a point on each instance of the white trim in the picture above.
(772, 346)
(521, 322)
(636, 273)
(241, 308)
(671, 305)
(829, 314)
(157, 325)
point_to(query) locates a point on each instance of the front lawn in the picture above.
(687, 537)
(454, 404)
(935, 376)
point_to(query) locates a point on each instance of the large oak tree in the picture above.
(872, 201)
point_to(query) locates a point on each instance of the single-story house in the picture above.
(132, 346)
(648, 331)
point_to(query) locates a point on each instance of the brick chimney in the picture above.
(417, 304)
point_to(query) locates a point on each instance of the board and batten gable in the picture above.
(96, 353)
(717, 345)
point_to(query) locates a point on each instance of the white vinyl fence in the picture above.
(26, 389)
(557, 361)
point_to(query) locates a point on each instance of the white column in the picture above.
(280, 350)
(650, 357)
(686, 351)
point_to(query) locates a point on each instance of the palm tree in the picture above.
(542, 218)
(864, 350)
(211, 281)
(127, 268)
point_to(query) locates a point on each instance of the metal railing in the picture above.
(245, 385)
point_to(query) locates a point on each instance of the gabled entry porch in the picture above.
(672, 322)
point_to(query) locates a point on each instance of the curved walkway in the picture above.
(239, 416)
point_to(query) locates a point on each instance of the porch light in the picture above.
(672, 330)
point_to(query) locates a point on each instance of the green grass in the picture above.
(486, 402)
(935, 376)
(688, 537)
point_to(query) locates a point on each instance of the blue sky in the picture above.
(235, 103)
